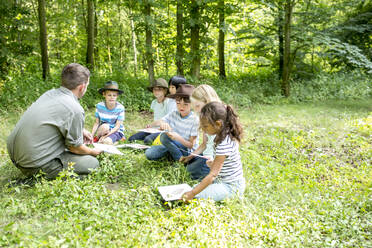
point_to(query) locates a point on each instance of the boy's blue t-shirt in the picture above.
(110, 116)
(162, 109)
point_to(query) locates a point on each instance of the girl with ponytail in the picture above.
(225, 178)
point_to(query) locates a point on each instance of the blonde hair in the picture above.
(205, 93)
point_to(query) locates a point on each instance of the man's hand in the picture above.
(96, 151)
(88, 137)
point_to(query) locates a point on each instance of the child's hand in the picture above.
(188, 196)
(209, 162)
(186, 159)
(165, 126)
(172, 135)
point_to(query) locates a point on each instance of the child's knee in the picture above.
(107, 141)
(103, 130)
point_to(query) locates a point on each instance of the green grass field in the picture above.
(308, 172)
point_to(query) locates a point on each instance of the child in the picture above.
(161, 106)
(226, 176)
(181, 128)
(174, 82)
(197, 166)
(109, 115)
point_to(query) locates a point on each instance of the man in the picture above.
(50, 135)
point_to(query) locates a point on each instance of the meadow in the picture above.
(308, 172)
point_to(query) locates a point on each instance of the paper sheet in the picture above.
(133, 145)
(173, 192)
(108, 148)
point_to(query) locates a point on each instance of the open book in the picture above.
(173, 192)
(108, 148)
(151, 130)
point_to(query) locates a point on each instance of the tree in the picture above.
(149, 49)
(221, 38)
(179, 39)
(288, 7)
(43, 38)
(90, 33)
(195, 39)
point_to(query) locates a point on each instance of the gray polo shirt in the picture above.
(50, 125)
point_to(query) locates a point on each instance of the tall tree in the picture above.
(43, 38)
(90, 33)
(149, 49)
(280, 38)
(221, 38)
(195, 39)
(179, 40)
(288, 7)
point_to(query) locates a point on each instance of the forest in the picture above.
(298, 73)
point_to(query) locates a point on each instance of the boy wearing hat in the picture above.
(180, 128)
(161, 106)
(109, 115)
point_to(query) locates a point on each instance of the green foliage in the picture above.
(308, 175)
(343, 86)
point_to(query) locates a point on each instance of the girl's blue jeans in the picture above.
(173, 147)
(197, 168)
(219, 190)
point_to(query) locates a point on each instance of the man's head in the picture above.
(74, 75)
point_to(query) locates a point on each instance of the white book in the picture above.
(151, 130)
(108, 148)
(174, 192)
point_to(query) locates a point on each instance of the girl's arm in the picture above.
(215, 170)
(95, 126)
(198, 150)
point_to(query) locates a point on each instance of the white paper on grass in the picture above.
(133, 145)
(108, 148)
(174, 192)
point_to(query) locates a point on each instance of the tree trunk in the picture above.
(281, 38)
(120, 35)
(133, 44)
(221, 39)
(179, 39)
(287, 48)
(108, 46)
(195, 42)
(43, 38)
(149, 49)
(90, 32)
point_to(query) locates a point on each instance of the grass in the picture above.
(308, 176)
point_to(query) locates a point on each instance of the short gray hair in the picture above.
(74, 75)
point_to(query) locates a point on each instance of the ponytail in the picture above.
(233, 125)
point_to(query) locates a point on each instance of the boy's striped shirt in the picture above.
(185, 126)
(110, 116)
